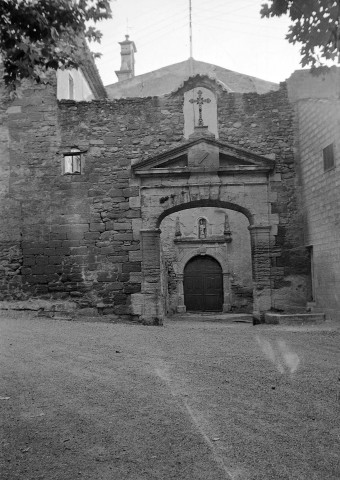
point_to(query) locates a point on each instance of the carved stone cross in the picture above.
(200, 100)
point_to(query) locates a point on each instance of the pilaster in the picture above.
(260, 246)
(153, 309)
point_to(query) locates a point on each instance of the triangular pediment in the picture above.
(205, 154)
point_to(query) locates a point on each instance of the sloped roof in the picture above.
(167, 79)
(90, 72)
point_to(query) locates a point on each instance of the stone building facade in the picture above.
(86, 187)
(316, 104)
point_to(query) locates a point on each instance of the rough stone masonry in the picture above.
(78, 236)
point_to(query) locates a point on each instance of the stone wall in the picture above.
(317, 108)
(78, 235)
(10, 209)
(265, 124)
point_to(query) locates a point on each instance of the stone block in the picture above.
(122, 309)
(122, 226)
(132, 247)
(49, 252)
(133, 213)
(34, 250)
(134, 202)
(97, 227)
(75, 235)
(294, 318)
(131, 267)
(135, 277)
(77, 250)
(110, 140)
(58, 236)
(132, 288)
(116, 192)
(114, 286)
(39, 269)
(41, 260)
(27, 261)
(131, 192)
(135, 256)
(107, 276)
(91, 235)
(26, 271)
(120, 299)
(55, 260)
(51, 269)
(105, 237)
(108, 250)
(54, 243)
(71, 243)
(63, 250)
(136, 226)
(13, 109)
(124, 277)
(123, 236)
(118, 258)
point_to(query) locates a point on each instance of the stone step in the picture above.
(212, 317)
(294, 318)
(39, 304)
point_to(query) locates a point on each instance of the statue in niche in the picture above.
(178, 232)
(202, 228)
(227, 231)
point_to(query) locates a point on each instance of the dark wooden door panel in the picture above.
(212, 282)
(203, 285)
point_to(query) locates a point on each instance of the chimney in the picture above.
(127, 52)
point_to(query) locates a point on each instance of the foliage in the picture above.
(38, 35)
(315, 25)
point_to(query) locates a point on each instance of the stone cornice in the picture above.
(243, 158)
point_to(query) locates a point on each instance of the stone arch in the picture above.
(260, 238)
(187, 256)
(205, 81)
(206, 203)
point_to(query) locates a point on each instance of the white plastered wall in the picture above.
(82, 90)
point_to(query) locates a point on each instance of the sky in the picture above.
(227, 33)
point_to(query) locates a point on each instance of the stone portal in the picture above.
(234, 180)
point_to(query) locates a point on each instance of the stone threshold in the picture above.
(212, 317)
(294, 318)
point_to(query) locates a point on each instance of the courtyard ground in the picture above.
(186, 401)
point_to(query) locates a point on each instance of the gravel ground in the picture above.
(187, 401)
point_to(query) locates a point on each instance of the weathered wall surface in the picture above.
(10, 209)
(317, 108)
(265, 125)
(78, 235)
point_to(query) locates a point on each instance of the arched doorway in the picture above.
(203, 285)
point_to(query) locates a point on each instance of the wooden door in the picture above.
(203, 285)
